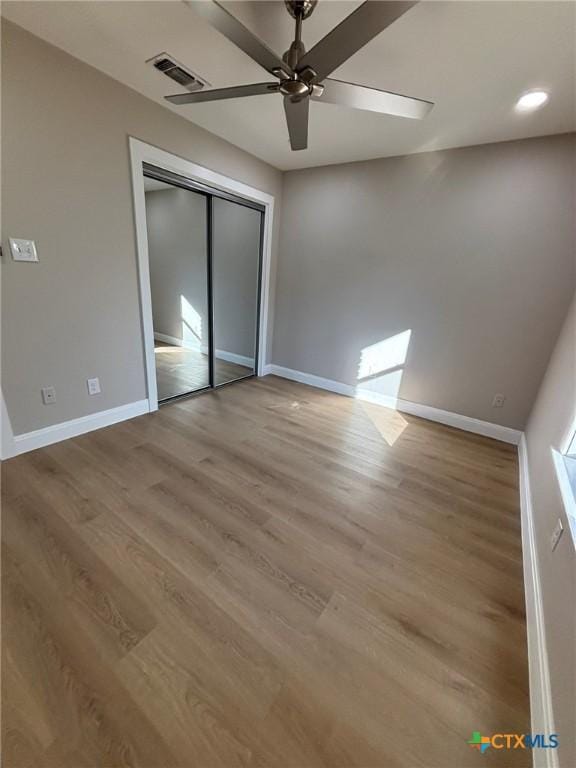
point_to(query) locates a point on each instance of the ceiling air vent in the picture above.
(168, 65)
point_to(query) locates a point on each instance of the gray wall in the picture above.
(66, 184)
(471, 249)
(177, 251)
(549, 422)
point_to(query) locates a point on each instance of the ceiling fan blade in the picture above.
(237, 33)
(372, 99)
(297, 119)
(357, 29)
(256, 89)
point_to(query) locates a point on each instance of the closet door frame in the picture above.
(153, 172)
(158, 163)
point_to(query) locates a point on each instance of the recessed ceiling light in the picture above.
(531, 100)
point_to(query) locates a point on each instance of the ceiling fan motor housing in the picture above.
(295, 89)
(294, 54)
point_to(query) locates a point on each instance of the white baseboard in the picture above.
(542, 715)
(467, 423)
(232, 357)
(175, 341)
(39, 438)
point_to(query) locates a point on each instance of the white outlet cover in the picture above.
(23, 250)
(48, 395)
(93, 386)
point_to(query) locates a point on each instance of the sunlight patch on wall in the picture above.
(191, 324)
(384, 355)
(380, 371)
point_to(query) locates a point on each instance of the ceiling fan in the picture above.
(303, 75)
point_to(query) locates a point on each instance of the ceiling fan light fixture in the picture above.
(531, 100)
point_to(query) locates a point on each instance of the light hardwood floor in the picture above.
(267, 575)
(180, 371)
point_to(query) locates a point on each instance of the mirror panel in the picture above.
(176, 221)
(236, 242)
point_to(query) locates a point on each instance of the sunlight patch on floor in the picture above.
(389, 423)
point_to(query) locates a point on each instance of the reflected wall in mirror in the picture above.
(236, 245)
(176, 221)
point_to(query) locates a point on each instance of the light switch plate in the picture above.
(23, 250)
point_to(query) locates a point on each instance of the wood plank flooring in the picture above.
(180, 371)
(269, 576)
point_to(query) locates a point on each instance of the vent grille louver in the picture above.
(163, 64)
(168, 66)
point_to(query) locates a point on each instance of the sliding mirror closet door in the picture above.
(177, 225)
(236, 256)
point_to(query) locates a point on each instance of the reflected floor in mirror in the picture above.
(180, 370)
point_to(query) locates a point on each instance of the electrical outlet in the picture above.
(498, 401)
(93, 386)
(556, 534)
(48, 395)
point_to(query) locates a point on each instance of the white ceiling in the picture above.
(473, 59)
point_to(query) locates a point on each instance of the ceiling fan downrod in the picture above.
(299, 85)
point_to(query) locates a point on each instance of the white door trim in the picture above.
(140, 153)
(7, 435)
(541, 707)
